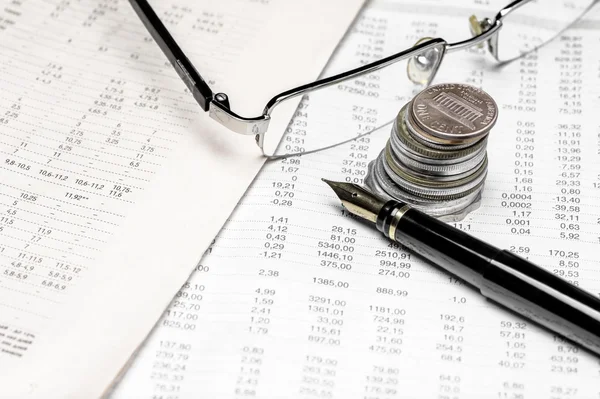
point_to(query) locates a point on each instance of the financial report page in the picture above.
(99, 141)
(295, 298)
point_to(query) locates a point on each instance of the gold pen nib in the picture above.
(357, 200)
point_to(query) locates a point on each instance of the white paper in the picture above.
(113, 183)
(274, 312)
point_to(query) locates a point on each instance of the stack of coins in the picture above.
(436, 158)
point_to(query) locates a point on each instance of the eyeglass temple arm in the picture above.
(490, 31)
(192, 79)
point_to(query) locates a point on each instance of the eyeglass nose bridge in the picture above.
(423, 67)
(484, 32)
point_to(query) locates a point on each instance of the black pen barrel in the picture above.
(501, 276)
(541, 296)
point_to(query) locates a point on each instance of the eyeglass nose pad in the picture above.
(476, 27)
(421, 69)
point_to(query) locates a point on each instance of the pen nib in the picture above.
(357, 200)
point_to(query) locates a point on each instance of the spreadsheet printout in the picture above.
(105, 160)
(296, 299)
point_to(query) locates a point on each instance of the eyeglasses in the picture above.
(370, 91)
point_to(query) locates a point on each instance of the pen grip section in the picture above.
(543, 297)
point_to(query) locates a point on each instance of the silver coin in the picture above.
(428, 188)
(436, 171)
(454, 111)
(447, 210)
(441, 172)
(435, 142)
(451, 154)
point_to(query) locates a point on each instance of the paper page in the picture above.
(297, 300)
(113, 181)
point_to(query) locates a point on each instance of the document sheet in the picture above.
(295, 299)
(113, 181)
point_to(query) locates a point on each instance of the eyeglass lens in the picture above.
(536, 23)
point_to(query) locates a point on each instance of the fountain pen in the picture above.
(499, 275)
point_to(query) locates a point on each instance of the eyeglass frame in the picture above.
(219, 109)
